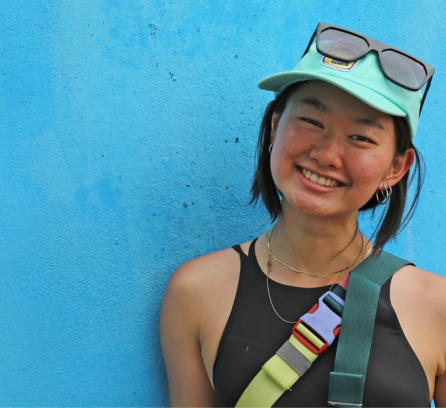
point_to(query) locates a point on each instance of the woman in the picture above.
(336, 140)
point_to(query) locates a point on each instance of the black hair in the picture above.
(390, 222)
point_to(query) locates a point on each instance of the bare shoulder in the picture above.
(196, 305)
(424, 291)
(425, 285)
(205, 272)
(198, 288)
(418, 297)
(419, 300)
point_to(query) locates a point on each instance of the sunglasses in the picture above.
(397, 66)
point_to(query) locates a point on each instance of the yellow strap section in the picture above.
(261, 392)
(309, 336)
(275, 377)
(279, 370)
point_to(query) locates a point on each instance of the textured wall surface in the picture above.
(127, 135)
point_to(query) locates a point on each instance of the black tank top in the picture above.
(253, 333)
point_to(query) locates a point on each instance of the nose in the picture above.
(328, 150)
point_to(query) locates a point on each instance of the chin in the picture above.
(310, 208)
(315, 212)
(317, 208)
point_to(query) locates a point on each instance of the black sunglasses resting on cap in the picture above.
(397, 66)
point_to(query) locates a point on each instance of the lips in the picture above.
(323, 181)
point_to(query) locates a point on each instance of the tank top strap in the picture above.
(238, 249)
(251, 251)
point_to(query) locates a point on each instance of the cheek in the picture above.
(369, 170)
(290, 141)
(282, 161)
(279, 163)
(287, 147)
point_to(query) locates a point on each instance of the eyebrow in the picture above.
(317, 104)
(371, 122)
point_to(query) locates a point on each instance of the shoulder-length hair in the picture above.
(391, 220)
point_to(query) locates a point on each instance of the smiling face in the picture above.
(331, 151)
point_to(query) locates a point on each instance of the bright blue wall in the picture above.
(126, 148)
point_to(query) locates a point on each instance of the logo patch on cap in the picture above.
(338, 64)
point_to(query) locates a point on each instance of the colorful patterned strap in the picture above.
(313, 333)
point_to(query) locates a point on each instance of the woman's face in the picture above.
(332, 152)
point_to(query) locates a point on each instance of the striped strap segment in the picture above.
(312, 335)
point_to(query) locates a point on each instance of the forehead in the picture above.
(335, 99)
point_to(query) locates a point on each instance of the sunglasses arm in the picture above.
(310, 43)
(428, 85)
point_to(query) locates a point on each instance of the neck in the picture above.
(316, 246)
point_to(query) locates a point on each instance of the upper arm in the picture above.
(419, 301)
(189, 384)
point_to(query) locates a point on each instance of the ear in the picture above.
(401, 165)
(274, 124)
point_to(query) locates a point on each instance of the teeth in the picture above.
(319, 180)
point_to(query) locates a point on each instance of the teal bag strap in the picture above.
(346, 384)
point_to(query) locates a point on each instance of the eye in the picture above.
(312, 122)
(361, 138)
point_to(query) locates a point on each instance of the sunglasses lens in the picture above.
(342, 45)
(403, 69)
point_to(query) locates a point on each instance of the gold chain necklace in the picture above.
(297, 270)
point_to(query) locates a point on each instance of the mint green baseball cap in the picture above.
(362, 78)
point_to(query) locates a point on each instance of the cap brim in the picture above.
(278, 82)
